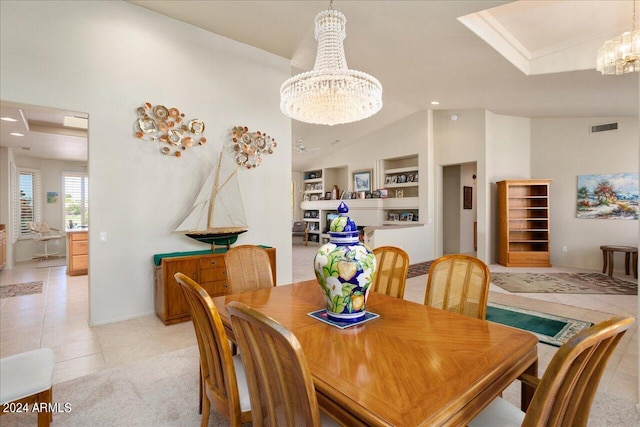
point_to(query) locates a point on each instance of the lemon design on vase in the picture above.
(345, 269)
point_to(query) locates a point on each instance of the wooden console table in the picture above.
(205, 267)
(607, 257)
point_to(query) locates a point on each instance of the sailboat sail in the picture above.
(217, 212)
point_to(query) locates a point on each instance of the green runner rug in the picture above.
(550, 329)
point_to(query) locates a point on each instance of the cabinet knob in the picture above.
(226, 286)
(213, 262)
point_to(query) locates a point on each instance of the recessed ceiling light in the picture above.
(435, 103)
(16, 134)
(8, 119)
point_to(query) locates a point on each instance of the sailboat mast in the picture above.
(214, 192)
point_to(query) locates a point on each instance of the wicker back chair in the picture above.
(248, 268)
(459, 283)
(391, 271)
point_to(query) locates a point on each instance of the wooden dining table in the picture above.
(414, 365)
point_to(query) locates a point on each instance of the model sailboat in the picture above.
(217, 216)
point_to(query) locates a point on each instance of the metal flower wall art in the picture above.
(249, 147)
(169, 127)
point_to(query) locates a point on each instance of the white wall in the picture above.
(451, 209)
(507, 157)
(467, 216)
(458, 142)
(6, 158)
(52, 213)
(108, 58)
(562, 149)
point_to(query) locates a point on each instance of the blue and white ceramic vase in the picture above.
(345, 269)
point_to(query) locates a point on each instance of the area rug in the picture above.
(550, 329)
(19, 289)
(159, 391)
(564, 283)
(419, 269)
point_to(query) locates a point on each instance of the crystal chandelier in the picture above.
(331, 93)
(622, 54)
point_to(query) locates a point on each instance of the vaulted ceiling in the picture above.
(524, 58)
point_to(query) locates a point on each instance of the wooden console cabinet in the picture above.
(523, 223)
(205, 267)
(78, 252)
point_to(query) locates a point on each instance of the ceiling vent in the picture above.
(603, 128)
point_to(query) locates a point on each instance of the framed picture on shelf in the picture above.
(467, 197)
(362, 180)
(409, 217)
(404, 216)
(387, 180)
(402, 179)
(327, 195)
(399, 194)
(410, 177)
(375, 194)
(314, 197)
(394, 217)
(394, 179)
(415, 177)
(305, 198)
(384, 193)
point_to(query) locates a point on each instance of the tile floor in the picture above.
(58, 316)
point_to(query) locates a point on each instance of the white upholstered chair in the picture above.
(27, 378)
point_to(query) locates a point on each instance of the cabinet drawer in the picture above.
(80, 247)
(213, 262)
(78, 236)
(540, 259)
(216, 288)
(212, 274)
(80, 262)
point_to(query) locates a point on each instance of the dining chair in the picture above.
(280, 383)
(223, 384)
(247, 268)
(300, 228)
(392, 266)
(564, 394)
(27, 379)
(459, 283)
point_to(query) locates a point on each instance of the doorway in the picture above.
(459, 209)
(52, 144)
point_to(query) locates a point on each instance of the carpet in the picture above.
(550, 329)
(565, 283)
(419, 269)
(159, 391)
(19, 289)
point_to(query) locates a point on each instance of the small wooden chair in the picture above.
(459, 283)
(280, 383)
(27, 378)
(565, 392)
(392, 266)
(222, 378)
(300, 228)
(248, 268)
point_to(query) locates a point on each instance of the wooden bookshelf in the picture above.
(523, 223)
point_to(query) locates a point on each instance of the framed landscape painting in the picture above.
(608, 196)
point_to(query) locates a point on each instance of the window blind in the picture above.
(76, 199)
(27, 201)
